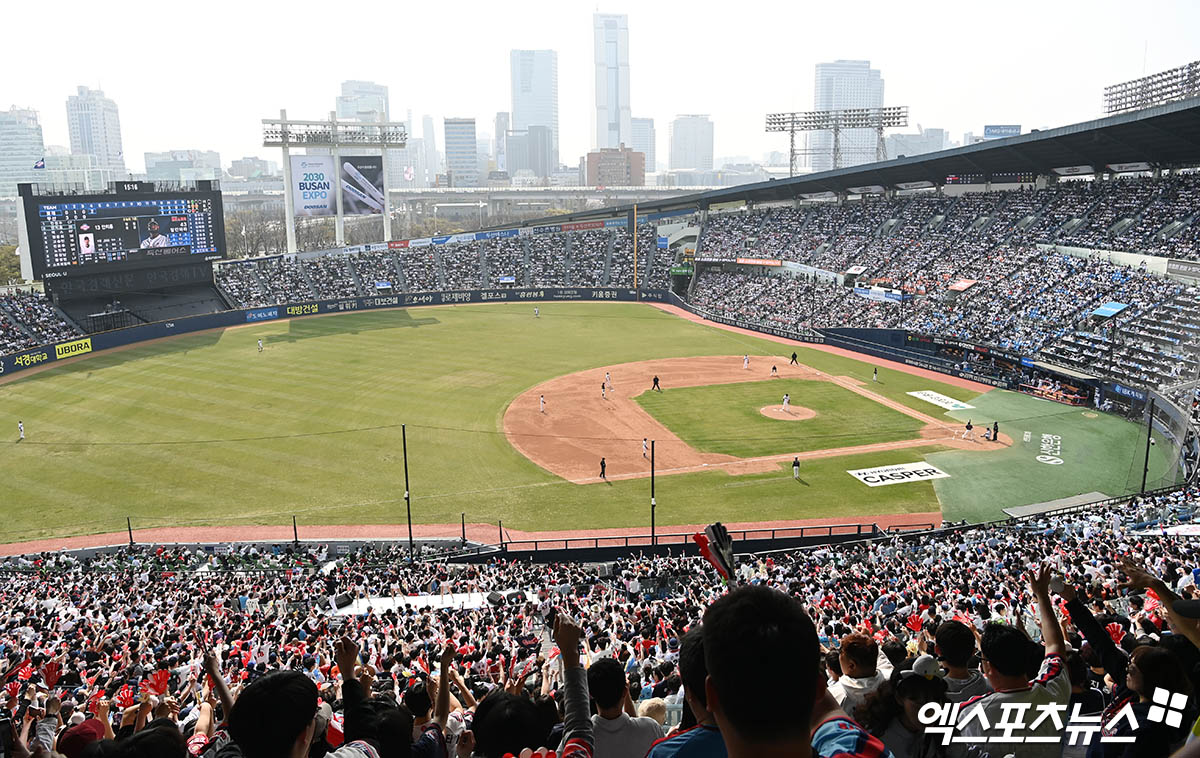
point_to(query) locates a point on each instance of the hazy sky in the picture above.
(202, 75)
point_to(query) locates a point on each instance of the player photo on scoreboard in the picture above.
(87, 247)
(152, 231)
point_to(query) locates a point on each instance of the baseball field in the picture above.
(205, 430)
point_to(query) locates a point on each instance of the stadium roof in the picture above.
(1163, 136)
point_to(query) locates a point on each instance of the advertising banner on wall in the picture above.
(313, 191)
(362, 184)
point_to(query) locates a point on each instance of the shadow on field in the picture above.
(308, 328)
(138, 352)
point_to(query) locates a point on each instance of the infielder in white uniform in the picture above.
(21, 429)
(787, 401)
(535, 311)
(608, 380)
(745, 361)
(541, 403)
(645, 447)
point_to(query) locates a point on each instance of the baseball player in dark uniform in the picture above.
(656, 387)
(794, 362)
(796, 467)
(603, 465)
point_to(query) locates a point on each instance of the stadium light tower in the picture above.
(835, 121)
(333, 135)
(1164, 87)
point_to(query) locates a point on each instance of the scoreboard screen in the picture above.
(90, 234)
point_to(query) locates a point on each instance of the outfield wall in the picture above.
(38, 356)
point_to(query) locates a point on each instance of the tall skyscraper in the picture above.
(611, 38)
(845, 84)
(692, 143)
(433, 163)
(462, 159)
(368, 102)
(643, 141)
(535, 92)
(21, 147)
(501, 147)
(95, 129)
(363, 101)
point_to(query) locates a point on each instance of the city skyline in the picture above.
(220, 109)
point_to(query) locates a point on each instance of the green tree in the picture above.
(10, 264)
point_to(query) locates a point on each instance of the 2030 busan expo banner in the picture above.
(313, 191)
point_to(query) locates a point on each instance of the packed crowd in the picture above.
(833, 651)
(27, 319)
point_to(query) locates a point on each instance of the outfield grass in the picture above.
(202, 429)
(725, 418)
(1099, 453)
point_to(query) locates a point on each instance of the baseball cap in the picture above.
(77, 738)
(926, 666)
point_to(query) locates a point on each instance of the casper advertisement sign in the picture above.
(313, 191)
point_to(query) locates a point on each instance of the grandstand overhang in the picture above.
(1165, 136)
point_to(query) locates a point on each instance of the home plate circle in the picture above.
(793, 413)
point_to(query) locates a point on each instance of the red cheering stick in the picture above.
(158, 682)
(51, 672)
(124, 697)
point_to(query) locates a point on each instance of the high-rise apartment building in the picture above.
(845, 84)
(535, 92)
(611, 53)
(691, 143)
(500, 150)
(183, 165)
(21, 147)
(363, 101)
(614, 167)
(95, 129)
(462, 157)
(643, 141)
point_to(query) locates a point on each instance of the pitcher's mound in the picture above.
(793, 413)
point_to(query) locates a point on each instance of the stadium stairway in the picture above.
(569, 260)
(483, 263)
(606, 280)
(401, 284)
(308, 279)
(525, 256)
(358, 282)
(439, 270)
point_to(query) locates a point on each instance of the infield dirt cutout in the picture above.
(579, 427)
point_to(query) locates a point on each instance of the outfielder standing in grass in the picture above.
(796, 467)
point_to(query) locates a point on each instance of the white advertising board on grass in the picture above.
(898, 473)
(940, 400)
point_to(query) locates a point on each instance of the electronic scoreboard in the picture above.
(134, 227)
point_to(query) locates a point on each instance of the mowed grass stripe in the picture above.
(453, 368)
(726, 418)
